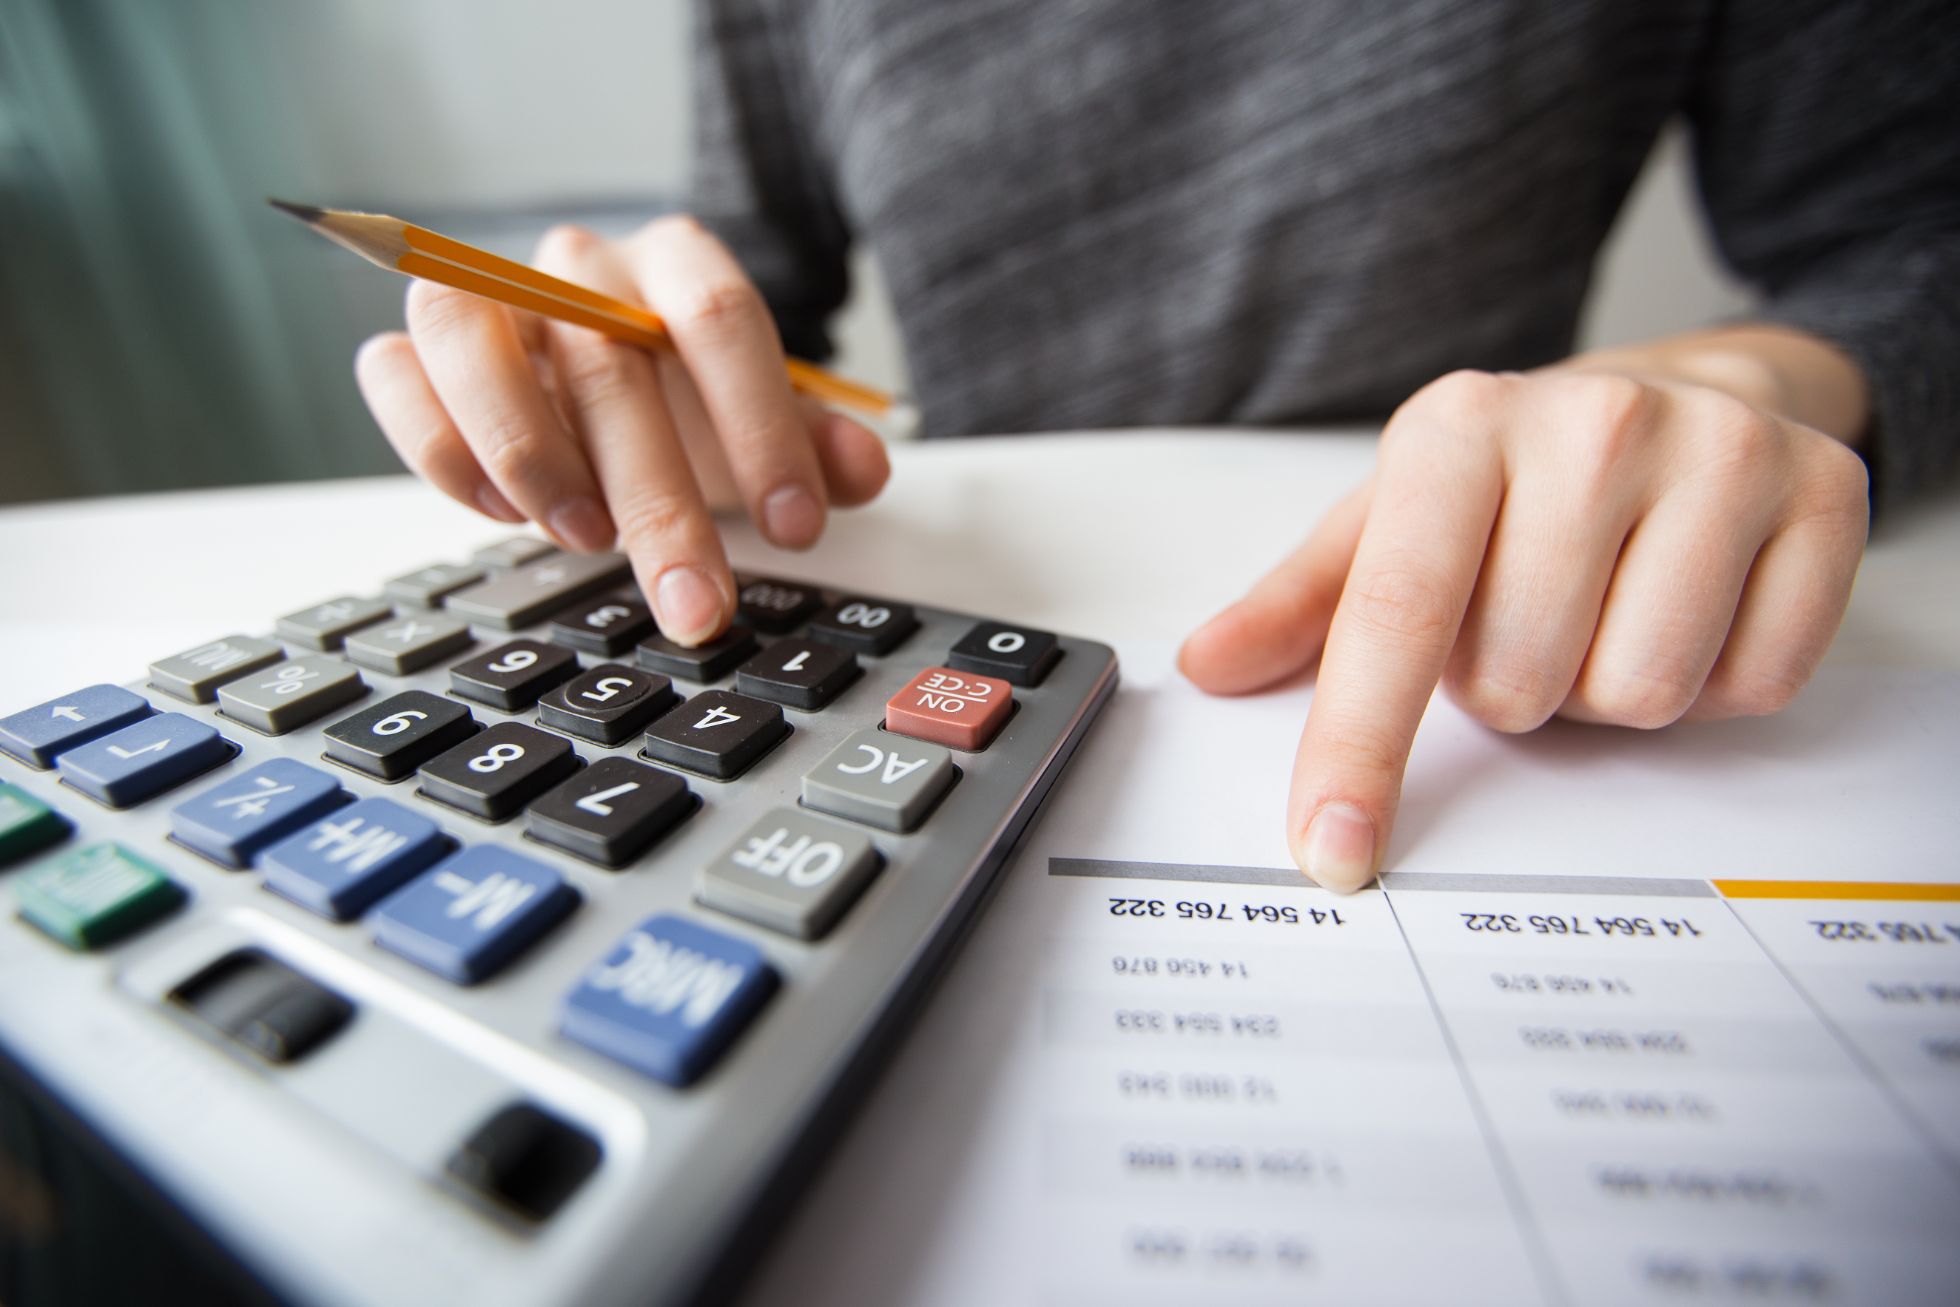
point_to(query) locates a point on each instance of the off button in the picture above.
(956, 709)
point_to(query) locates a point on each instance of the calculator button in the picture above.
(148, 758)
(798, 673)
(669, 998)
(428, 587)
(602, 626)
(408, 643)
(791, 872)
(39, 734)
(608, 704)
(288, 695)
(530, 593)
(264, 1005)
(234, 819)
(1016, 654)
(344, 863)
(95, 895)
(473, 913)
(881, 779)
(770, 605)
(195, 674)
(514, 551)
(27, 825)
(610, 811)
(526, 1160)
(717, 734)
(325, 627)
(956, 709)
(703, 663)
(499, 770)
(513, 675)
(869, 626)
(394, 737)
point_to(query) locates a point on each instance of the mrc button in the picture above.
(956, 709)
(1016, 654)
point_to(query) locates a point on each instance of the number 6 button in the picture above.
(399, 734)
(497, 772)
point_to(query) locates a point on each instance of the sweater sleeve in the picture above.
(1827, 144)
(757, 181)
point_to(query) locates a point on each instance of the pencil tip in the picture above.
(304, 212)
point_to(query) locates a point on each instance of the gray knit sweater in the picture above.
(1126, 212)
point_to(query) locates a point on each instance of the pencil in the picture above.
(418, 252)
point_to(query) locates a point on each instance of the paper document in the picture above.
(1636, 1018)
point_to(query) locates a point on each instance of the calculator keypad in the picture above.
(775, 606)
(608, 704)
(143, 760)
(1015, 654)
(344, 863)
(791, 872)
(798, 674)
(408, 644)
(232, 820)
(880, 778)
(956, 709)
(717, 734)
(473, 913)
(513, 675)
(611, 811)
(868, 626)
(40, 734)
(391, 739)
(195, 674)
(499, 770)
(326, 626)
(288, 695)
(701, 663)
(602, 626)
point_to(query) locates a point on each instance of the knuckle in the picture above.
(659, 520)
(601, 374)
(720, 308)
(381, 353)
(1615, 416)
(1761, 692)
(1508, 696)
(564, 243)
(1837, 488)
(1738, 438)
(1362, 750)
(510, 451)
(1403, 598)
(435, 311)
(1466, 391)
(1645, 698)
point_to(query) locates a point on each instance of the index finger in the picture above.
(1414, 569)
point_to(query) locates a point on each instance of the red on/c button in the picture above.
(956, 709)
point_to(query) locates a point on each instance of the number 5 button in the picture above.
(611, 811)
(880, 779)
(607, 705)
(399, 734)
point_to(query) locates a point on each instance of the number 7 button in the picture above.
(956, 709)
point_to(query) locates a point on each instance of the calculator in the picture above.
(467, 941)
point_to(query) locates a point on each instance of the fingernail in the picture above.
(792, 516)
(687, 604)
(1339, 851)
(582, 524)
(491, 500)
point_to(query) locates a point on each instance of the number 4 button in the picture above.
(1016, 654)
(611, 811)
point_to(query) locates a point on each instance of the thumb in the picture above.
(1280, 625)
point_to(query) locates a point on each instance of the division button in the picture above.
(513, 675)
(325, 627)
(798, 673)
(38, 735)
(530, 593)
(702, 663)
(867, 626)
(289, 695)
(514, 551)
(717, 734)
(390, 739)
(264, 1005)
(408, 643)
(1016, 654)
(234, 819)
(669, 998)
(343, 864)
(958, 710)
(427, 588)
(770, 605)
(608, 704)
(195, 674)
(95, 895)
(791, 872)
(526, 1160)
(611, 811)
(473, 913)
(148, 758)
(499, 770)
(27, 825)
(881, 779)
(602, 626)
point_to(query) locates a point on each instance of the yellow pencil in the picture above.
(418, 252)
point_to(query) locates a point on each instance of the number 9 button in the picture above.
(399, 734)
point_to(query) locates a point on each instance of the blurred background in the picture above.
(161, 328)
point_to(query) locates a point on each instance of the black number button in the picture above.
(513, 675)
(1016, 654)
(399, 734)
(717, 734)
(611, 811)
(800, 673)
(602, 626)
(869, 626)
(498, 771)
(607, 705)
(703, 663)
(775, 605)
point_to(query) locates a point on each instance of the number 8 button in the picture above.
(493, 774)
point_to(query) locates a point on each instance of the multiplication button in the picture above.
(717, 734)
(791, 872)
(409, 643)
(1016, 654)
(610, 811)
(880, 779)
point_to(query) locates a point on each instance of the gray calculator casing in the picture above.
(325, 1180)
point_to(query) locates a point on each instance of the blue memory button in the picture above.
(242, 814)
(37, 735)
(473, 912)
(669, 998)
(130, 765)
(342, 864)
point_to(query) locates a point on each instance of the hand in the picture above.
(598, 441)
(1601, 546)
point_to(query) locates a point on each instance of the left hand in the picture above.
(1599, 545)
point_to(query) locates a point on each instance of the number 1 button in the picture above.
(611, 811)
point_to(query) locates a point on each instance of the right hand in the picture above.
(600, 442)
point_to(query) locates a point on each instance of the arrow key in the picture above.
(40, 734)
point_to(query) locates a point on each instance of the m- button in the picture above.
(956, 709)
